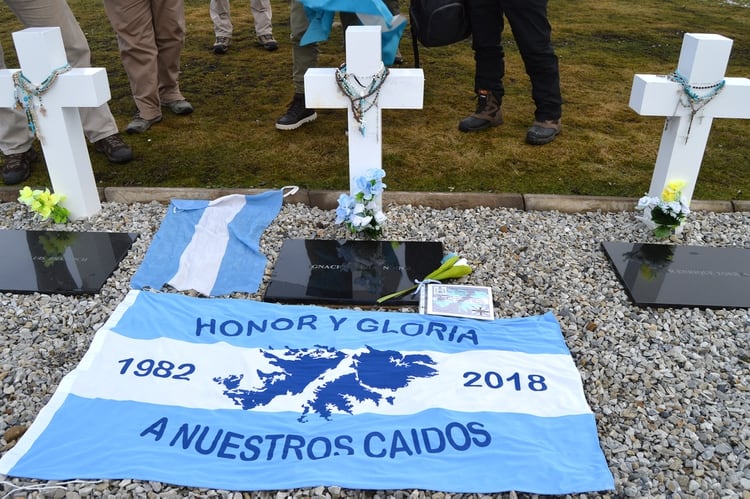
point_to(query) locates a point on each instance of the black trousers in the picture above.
(533, 36)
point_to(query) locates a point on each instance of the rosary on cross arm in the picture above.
(26, 94)
(359, 93)
(694, 101)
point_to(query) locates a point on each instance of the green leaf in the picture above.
(662, 232)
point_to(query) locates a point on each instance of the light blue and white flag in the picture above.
(320, 14)
(245, 395)
(212, 247)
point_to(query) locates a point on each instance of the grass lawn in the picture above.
(605, 149)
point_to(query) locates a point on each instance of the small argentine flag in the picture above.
(211, 247)
(320, 15)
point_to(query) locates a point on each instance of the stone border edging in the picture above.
(328, 200)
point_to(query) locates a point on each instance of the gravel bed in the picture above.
(669, 386)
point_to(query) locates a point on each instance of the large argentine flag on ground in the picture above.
(245, 395)
(210, 246)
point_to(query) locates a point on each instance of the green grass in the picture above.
(606, 148)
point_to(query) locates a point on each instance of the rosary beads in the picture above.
(27, 94)
(694, 101)
(359, 93)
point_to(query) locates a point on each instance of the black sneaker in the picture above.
(17, 167)
(297, 114)
(116, 150)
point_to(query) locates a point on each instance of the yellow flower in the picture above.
(673, 190)
(35, 205)
(26, 196)
(44, 203)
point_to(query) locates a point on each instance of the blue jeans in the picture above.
(532, 33)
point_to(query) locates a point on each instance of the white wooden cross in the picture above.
(703, 62)
(402, 89)
(40, 52)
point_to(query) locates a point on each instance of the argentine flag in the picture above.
(245, 395)
(210, 246)
(320, 14)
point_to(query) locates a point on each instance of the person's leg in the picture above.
(16, 142)
(394, 6)
(261, 10)
(15, 136)
(486, 17)
(219, 12)
(169, 26)
(134, 27)
(532, 32)
(262, 15)
(303, 58)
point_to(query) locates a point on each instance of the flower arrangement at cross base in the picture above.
(45, 204)
(665, 214)
(360, 213)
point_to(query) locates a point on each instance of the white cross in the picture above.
(703, 62)
(40, 52)
(403, 89)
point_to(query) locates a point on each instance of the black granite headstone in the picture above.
(62, 262)
(350, 272)
(682, 276)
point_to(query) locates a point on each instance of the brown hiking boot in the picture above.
(17, 167)
(268, 42)
(543, 132)
(221, 45)
(488, 113)
(116, 150)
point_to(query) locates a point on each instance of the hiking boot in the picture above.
(221, 45)
(268, 42)
(543, 132)
(488, 113)
(116, 150)
(297, 114)
(179, 106)
(140, 125)
(17, 167)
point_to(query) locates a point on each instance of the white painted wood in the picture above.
(40, 51)
(703, 62)
(402, 89)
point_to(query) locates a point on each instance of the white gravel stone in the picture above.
(669, 387)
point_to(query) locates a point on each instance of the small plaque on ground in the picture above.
(61, 262)
(350, 272)
(682, 276)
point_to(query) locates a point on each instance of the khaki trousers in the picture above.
(219, 12)
(150, 36)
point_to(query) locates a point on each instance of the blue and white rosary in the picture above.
(362, 96)
(694, 101)
(27, 94)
